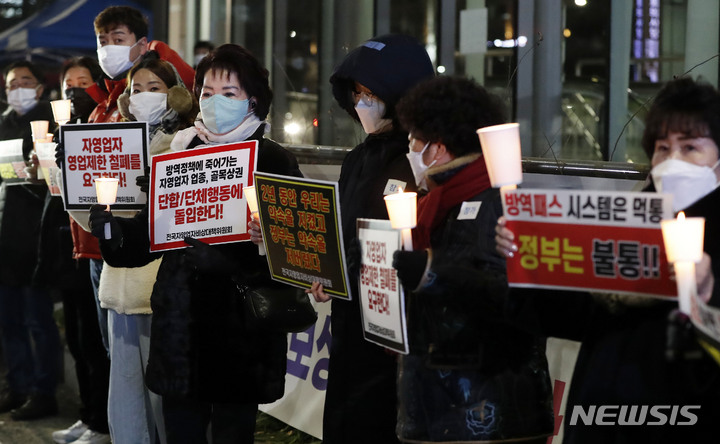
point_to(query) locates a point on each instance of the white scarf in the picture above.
(246, 129)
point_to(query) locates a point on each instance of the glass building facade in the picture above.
(577, 75)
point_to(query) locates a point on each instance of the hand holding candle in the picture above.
(402, 209)
(683, 239)
(106, 190)
(251, 198)
(501, 150)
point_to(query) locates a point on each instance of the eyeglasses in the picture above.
(21, 84)
(367, 97)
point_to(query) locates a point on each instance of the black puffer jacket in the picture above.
(200, 346)
(21, 206)
(456, 328)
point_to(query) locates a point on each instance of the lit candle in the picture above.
(106, 190)
(402, 209)
(501, 150)
(683, 239)
(39, 129)
(251, 199)
(61, 111)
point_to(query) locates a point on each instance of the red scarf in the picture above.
(434, 207)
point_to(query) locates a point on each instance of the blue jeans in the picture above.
(25, 313)
(134, 412)
(96, 266)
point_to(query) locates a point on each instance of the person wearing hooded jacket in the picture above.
(470, 375)
(360, 400)
(637, 353)
(210, 367)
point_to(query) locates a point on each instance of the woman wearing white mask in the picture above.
(639, 351)
(155, 94)
(367, 84)
(207, 364)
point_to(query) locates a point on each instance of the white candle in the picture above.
(402, 209)
(251, 199)
(39, 129)
(61, 111)
(503, 157)
(683, 239)
(106, 190)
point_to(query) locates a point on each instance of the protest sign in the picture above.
(46, 157)
(300, 220)
(104, 150)
(199, 193)
(12, 162)
(589, 240)
(382, 301)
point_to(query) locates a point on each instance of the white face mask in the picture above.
(686, 181)
(148, 106)
(22, 100)
(115, 59)
(418, 166)
(371, 116)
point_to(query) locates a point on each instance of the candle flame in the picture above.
(681, 216)
(400, 190)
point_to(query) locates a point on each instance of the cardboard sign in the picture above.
(199, 193)
(382, 300)
(302, 233)
(104, 150)
(589, 240)
(12, 162)
(48, 167)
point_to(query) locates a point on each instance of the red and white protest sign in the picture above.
(382, 300)
(589, 240)
(199, 193)
(104, 150)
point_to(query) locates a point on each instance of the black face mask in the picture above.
(81, 103)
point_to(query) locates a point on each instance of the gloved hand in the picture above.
(410, 266)
(59, 154)
(209, 259)
(99, 216)
(144, 181)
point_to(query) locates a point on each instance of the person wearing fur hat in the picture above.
(470, 376)
(367, 84)
(155, 94)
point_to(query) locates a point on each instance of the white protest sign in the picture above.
(12, 162)
(104, 150)
(381, 296)
(46, 156)
(199, 193)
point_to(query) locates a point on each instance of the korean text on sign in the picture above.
(302, 236)
(601, 241)
(92, 151)
(200, 193)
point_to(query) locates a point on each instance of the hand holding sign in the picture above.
(410, 266)
(209, 259)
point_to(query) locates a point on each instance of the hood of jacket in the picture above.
(389, 65)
